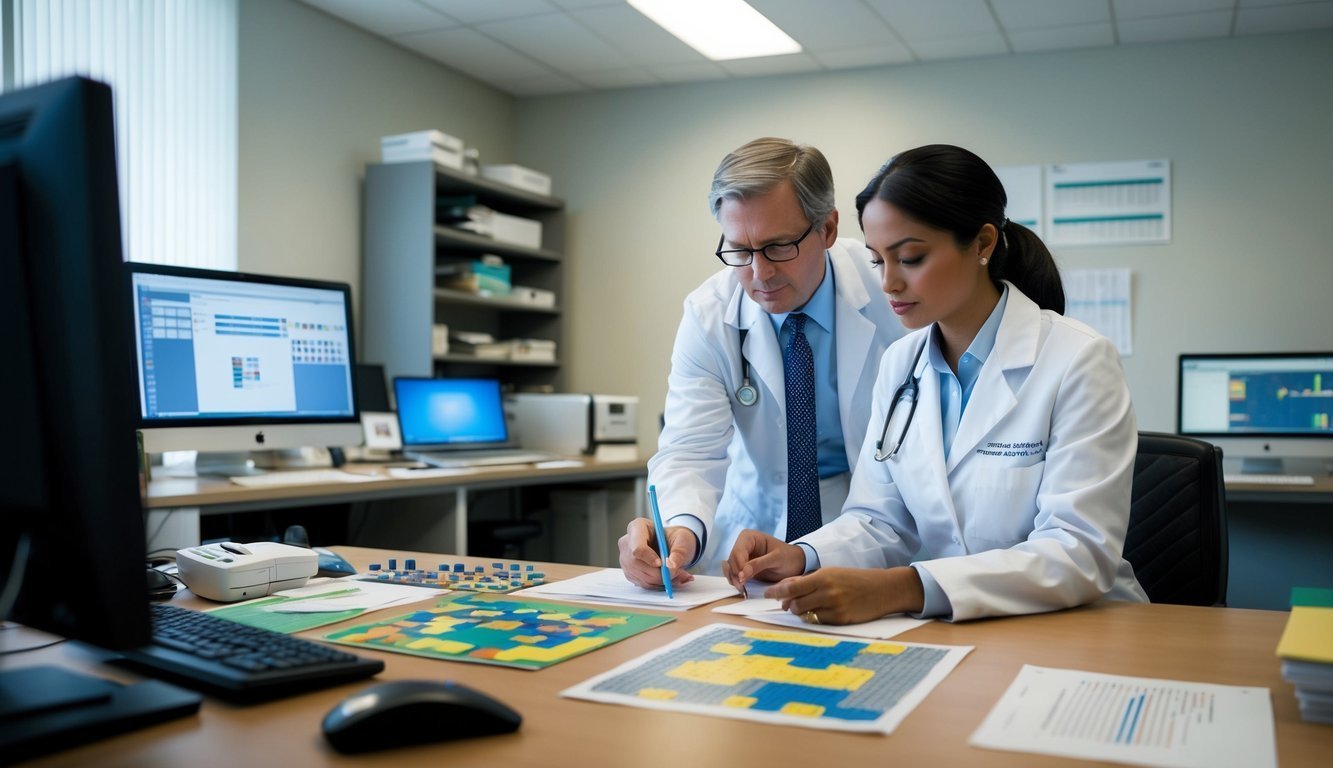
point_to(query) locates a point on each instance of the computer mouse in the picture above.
(405, 712)
(332, 564)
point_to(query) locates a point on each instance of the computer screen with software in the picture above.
(235, 362)
(1262, 408)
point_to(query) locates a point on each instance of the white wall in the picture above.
(1247, 124)
(315, 94)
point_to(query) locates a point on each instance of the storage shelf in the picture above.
(470, 360)
(461, 239)
(488, 191)
(497, 302)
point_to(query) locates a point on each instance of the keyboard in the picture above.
(237, 662)
(302, 477)
(1270, 479)
(498, 457)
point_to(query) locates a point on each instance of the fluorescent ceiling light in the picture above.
(719, 29)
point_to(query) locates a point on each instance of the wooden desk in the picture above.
(1321, 492)
(190, 497)
(1219, 645)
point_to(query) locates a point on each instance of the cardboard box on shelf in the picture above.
(516, 230)
(518, 176)
(538, 297)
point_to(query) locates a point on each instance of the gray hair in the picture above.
(760, 165)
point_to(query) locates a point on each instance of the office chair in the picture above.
(1177, 538)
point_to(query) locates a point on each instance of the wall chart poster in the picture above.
(780, 677)
(1108, 203)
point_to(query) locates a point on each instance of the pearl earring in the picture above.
(984, 260)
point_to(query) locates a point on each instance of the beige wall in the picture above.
(1247, 124)
(315, 94)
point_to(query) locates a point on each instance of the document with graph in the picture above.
(1135, 720)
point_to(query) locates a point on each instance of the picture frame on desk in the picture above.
(381, 431)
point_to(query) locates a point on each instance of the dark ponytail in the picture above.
(950, 188)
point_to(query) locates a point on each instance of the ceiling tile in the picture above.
(869, 56)
(959, 47)
(386, 17)
(1062, 38)
(481, 11)
(1284, 18)
(559, 41)
(915, 20)
(1027, 14)
(542, 85)
(1139, 9)
(787, 64)
(834, 24)
(618, 78)
(467, 50)
(638, 37)
(689, 73)
(1189, 26)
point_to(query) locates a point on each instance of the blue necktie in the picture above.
(798, 363)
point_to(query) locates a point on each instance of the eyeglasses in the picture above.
(908, 391)
(740, 257)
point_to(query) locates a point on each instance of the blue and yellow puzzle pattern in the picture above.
(490, 629)
(502, 577)
(791, 673)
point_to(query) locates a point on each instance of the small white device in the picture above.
(228, 571)
(572, 424)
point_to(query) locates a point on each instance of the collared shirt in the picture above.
(820, 309)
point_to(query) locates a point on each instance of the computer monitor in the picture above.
(1269, 410)
(71, 524)
(232, 362)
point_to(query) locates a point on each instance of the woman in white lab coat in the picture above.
(1002, 438)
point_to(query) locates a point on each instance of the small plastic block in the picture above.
(479, 569)
(383, 577)
(393, 564)
(513, 566)
(374, 566)
(453, 577)
(442, 567)
(409, 565)
(498, 566)
(458, 567)
(529, 567)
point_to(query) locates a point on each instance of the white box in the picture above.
(439, 340)
(516, 230)
(518, 176)
(538, 297)
(422, 140)
(434, 154)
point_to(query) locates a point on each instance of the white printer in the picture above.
(229, 571)
(575, 424)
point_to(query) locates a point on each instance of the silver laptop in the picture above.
(456, 423)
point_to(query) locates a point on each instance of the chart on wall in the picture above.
(490, 629)
(1023, 188)
(1108, 203)
(780, 677)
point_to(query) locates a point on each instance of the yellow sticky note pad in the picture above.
(1308, 636)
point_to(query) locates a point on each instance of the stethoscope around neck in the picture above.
(910, 388)
(746, 394)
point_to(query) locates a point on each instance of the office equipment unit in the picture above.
(405, 242)
(456, 423)
(1272, 411)
(229, 571)
(71, 525)
(574, 424)
(238, 362)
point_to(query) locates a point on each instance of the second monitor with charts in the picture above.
(456, 423)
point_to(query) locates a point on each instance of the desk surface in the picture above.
(1320, 492)
(1219, 645)
(220, 494)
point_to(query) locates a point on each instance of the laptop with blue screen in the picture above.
(456, 423)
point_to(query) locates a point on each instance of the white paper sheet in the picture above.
(610, 587)
(770, 612)
(1102, 299)
(347, 595)
(828, 683)
(1108, 203)
(1135, 720)
(1022, 185)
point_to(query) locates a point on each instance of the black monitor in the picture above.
(71, 522)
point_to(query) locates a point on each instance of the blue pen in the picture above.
(662, 549)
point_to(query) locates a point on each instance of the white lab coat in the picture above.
(1029, 510)
(726, 463)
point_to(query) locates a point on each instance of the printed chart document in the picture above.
(324, 601)
(610, 587)
(1135, 720)
(770, 612)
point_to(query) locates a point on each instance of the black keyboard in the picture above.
(238, 662)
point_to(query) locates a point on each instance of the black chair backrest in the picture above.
(1177, 539)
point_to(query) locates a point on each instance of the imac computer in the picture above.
(1272, 411)
(71, 524)
(232, 363)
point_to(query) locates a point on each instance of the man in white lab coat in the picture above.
(794, 311)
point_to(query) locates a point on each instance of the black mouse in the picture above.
(405, 712)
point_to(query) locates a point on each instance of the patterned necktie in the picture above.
(798, 362)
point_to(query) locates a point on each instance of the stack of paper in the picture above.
(610, 587)
(1306, 649)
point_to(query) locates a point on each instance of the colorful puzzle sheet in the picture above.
(780, 677)
(502, 577)
(491, 629)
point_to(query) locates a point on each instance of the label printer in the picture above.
(604, 426)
